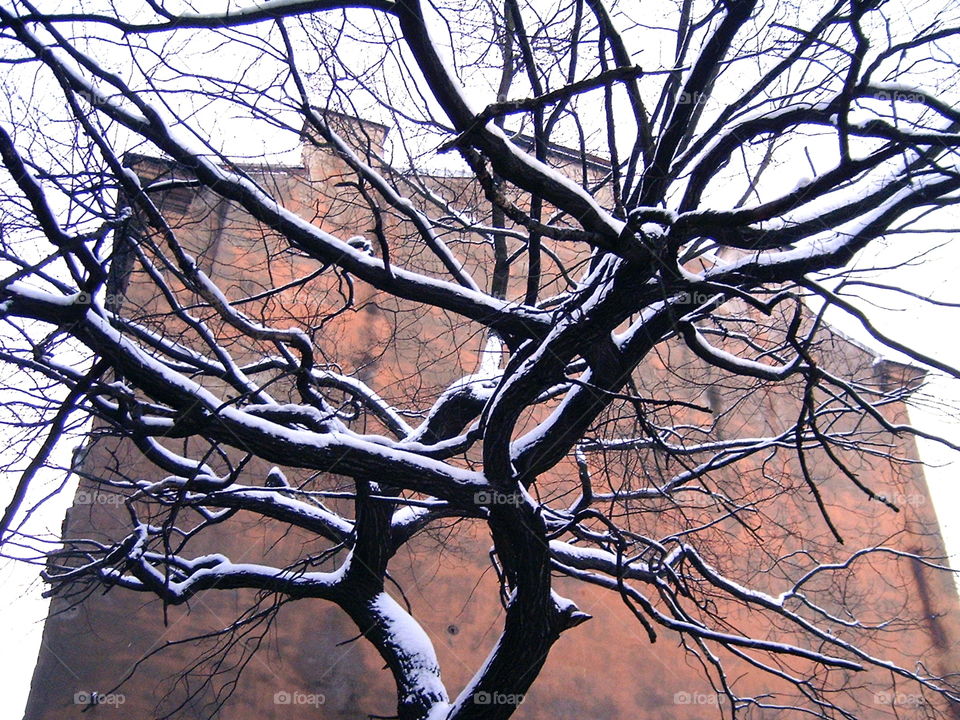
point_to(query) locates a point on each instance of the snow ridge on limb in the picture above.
(420, 682)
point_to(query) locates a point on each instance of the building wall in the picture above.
(307, 652)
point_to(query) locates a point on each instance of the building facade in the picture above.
(121, 654)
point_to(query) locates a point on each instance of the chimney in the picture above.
(364, 137)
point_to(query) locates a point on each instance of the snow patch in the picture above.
(414, 648)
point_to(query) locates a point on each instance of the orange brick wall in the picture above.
(606, 668)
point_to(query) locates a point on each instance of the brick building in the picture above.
(308, 661)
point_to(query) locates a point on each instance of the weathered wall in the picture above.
(604, 669)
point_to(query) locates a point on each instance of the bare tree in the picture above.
(596, 204)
